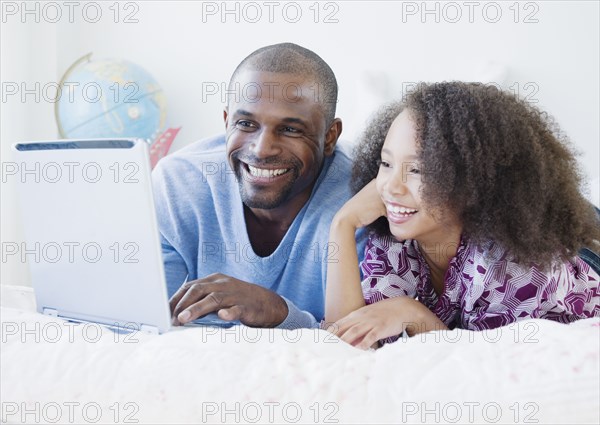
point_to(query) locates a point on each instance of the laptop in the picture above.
(91, 234)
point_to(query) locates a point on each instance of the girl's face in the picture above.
(399, 182)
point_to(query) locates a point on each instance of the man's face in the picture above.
(277, 137)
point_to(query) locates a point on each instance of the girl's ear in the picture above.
(332, 135)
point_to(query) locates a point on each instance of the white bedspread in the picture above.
(535, 371)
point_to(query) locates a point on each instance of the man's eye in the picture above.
(244, 124)
(291, 130)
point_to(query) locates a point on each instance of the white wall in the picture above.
(375, 49)
(28, 55)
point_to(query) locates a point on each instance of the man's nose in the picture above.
(266, 144)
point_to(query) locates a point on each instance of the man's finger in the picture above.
(183, 289)
(183, 298)
(178, 295)
(196, 292)
(207, 304)
(231, 313)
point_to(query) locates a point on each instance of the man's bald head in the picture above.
(289, 58)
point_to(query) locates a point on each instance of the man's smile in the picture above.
(266, 172)
(262, 174)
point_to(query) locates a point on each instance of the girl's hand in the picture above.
(367, 325)
(363, 208)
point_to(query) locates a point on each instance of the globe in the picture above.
(109, 98)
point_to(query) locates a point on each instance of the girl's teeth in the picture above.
(261, 172)
(402, 210)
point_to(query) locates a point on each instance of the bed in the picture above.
(52, 371)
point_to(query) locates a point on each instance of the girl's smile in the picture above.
(397, 213)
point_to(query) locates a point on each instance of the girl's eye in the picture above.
(411, 168)
(384, 164)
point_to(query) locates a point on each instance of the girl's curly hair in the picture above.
(500, 165)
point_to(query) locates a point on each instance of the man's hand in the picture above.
(233, 299)
(367, 325)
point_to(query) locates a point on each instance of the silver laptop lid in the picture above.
(91, 234)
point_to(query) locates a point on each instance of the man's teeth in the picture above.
(262, 172)
(401, 210)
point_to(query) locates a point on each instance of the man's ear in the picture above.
(225, 117)
(332, 135)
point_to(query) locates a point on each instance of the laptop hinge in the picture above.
(149, 329)
(50, 311)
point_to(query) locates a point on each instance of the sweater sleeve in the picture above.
(297, 318)
(175, 268)
(176, 272)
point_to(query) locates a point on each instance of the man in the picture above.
(245, 217)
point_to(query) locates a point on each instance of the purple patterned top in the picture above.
(483, 288)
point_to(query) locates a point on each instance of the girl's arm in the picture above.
(343, 292)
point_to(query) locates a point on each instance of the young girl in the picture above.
(472, 196)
